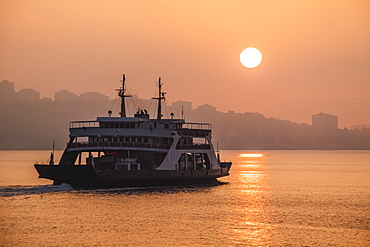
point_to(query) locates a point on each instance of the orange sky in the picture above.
(316, 54)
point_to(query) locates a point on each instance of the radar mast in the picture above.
(121, 93)
(160, 97)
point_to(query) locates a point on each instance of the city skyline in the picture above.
(179, 107)
(48, 120)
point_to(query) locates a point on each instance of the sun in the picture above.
(250, 57)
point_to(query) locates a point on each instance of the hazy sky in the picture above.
(312, 51)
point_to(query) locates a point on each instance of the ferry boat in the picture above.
(136, 151)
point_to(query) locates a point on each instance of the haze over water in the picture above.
(271, 198)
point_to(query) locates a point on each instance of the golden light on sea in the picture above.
(251, 155)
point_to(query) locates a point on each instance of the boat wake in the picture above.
(18, 190)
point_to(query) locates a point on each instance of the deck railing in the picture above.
(192, 132)
(138, 145)
(193, 146)
(117, 144)
(197, 126)
(91, 124)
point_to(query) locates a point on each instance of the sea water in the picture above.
(271, 198)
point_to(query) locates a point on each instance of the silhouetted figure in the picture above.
(51, 162)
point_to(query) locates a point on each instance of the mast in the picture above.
(160, 97)
(121, 93)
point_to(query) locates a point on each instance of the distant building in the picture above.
(6, 87)
(325, 121)
(46, 100)
(28, 95)
(253, 115)
(206, 108)
(7, 90)
(65, 95)
(205, 112)
(90, 96)
(360, 127)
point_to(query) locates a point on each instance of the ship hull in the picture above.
(84, 176)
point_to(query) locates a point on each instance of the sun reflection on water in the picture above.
(251, 155)
(249, 215)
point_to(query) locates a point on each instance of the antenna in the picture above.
(121, 93)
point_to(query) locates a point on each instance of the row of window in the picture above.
(131, 139)
(118, 125)
(136, 125)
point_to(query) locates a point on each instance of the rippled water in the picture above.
(271, 198)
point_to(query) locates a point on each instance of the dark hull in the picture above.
(84, 176)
